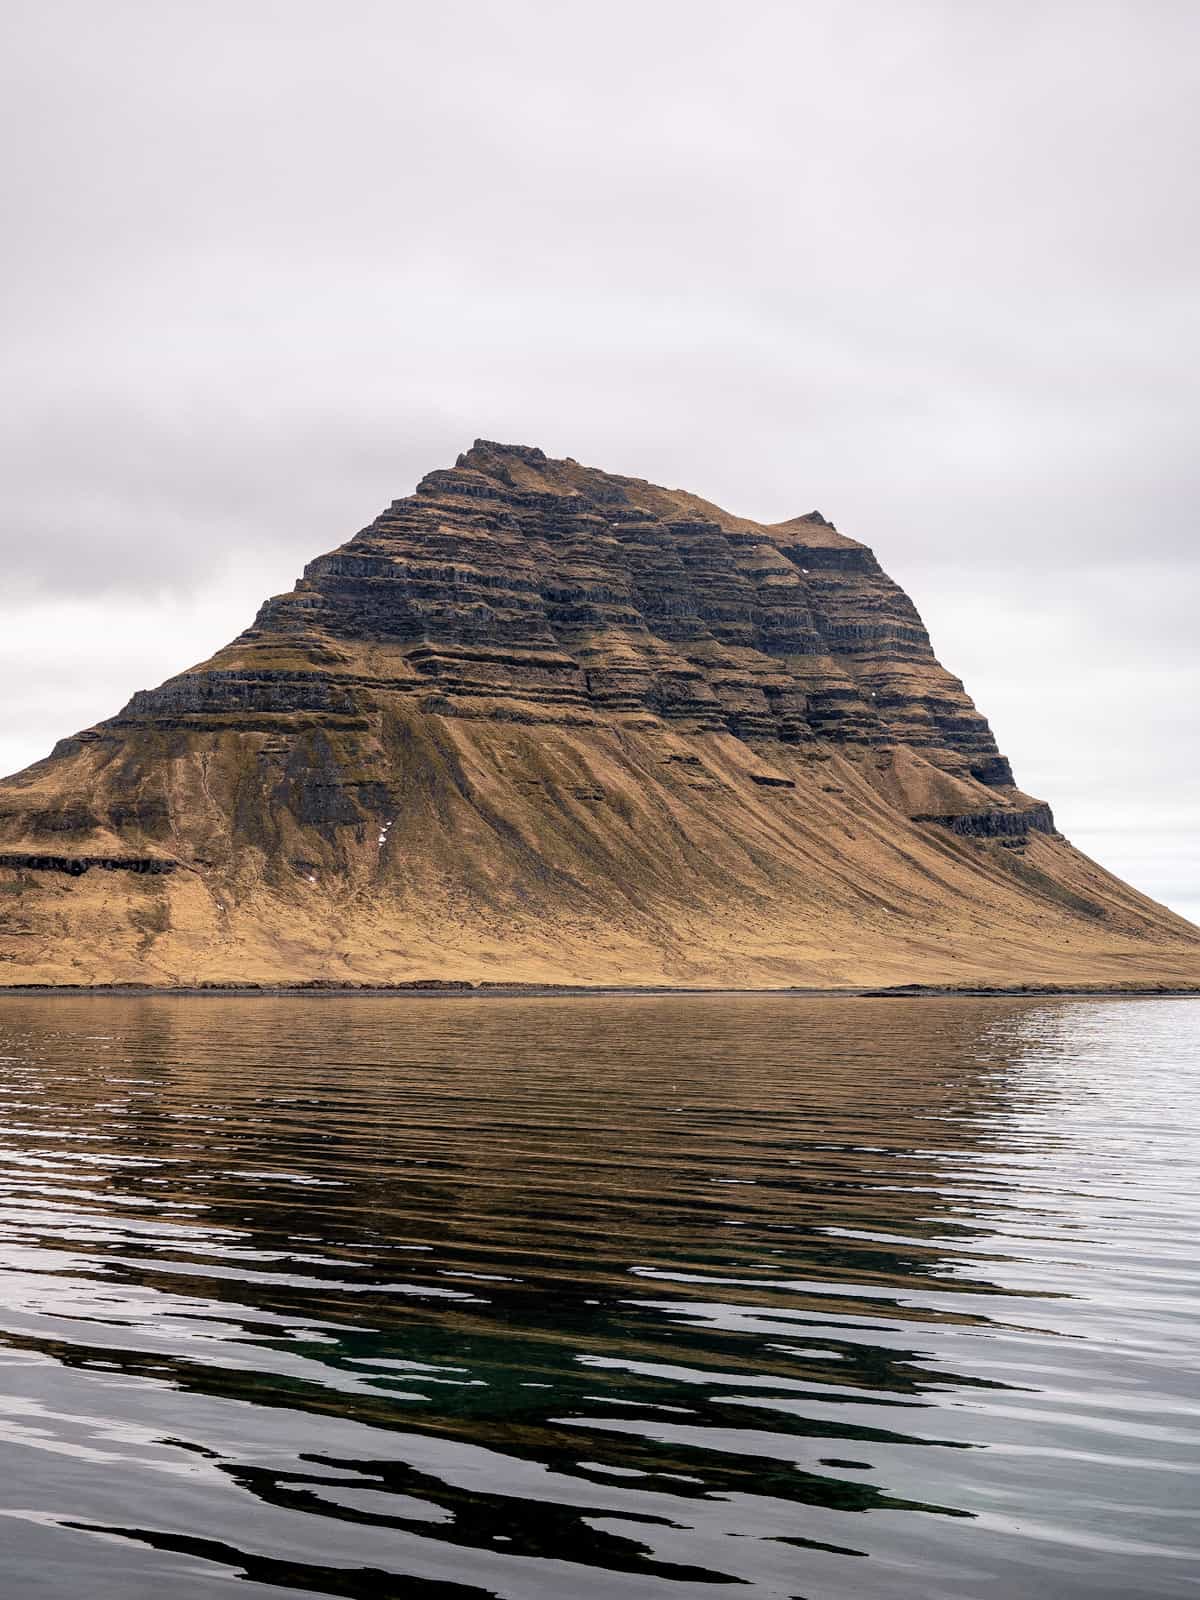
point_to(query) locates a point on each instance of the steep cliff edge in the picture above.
(541, 723)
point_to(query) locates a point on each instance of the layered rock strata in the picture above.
(545, 723)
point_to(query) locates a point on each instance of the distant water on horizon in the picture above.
(612, 1298)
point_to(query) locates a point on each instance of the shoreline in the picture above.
(451, 989)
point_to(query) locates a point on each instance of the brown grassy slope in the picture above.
(579, 856)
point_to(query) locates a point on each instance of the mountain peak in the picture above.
(489, 449)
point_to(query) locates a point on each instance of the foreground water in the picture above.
(599, 1298)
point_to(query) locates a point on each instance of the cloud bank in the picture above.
(928, 267)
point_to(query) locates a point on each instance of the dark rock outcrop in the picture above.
(76, 865)
(1036, 818)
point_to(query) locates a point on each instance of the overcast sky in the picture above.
(931, 268)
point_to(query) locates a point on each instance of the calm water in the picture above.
(616, 1298)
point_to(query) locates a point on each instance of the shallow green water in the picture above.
(599, 1298)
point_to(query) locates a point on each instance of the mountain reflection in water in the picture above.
(617, 1297)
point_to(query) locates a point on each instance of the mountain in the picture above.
(541, 723)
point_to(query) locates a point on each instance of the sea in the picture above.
(599, 1298)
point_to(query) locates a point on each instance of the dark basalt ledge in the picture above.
(76, 866)
(997, 824)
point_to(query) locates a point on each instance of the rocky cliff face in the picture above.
(541, 722)
(530, 590)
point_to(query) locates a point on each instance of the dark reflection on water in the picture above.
(611, 1298)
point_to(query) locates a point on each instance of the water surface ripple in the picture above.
(599, 1298)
